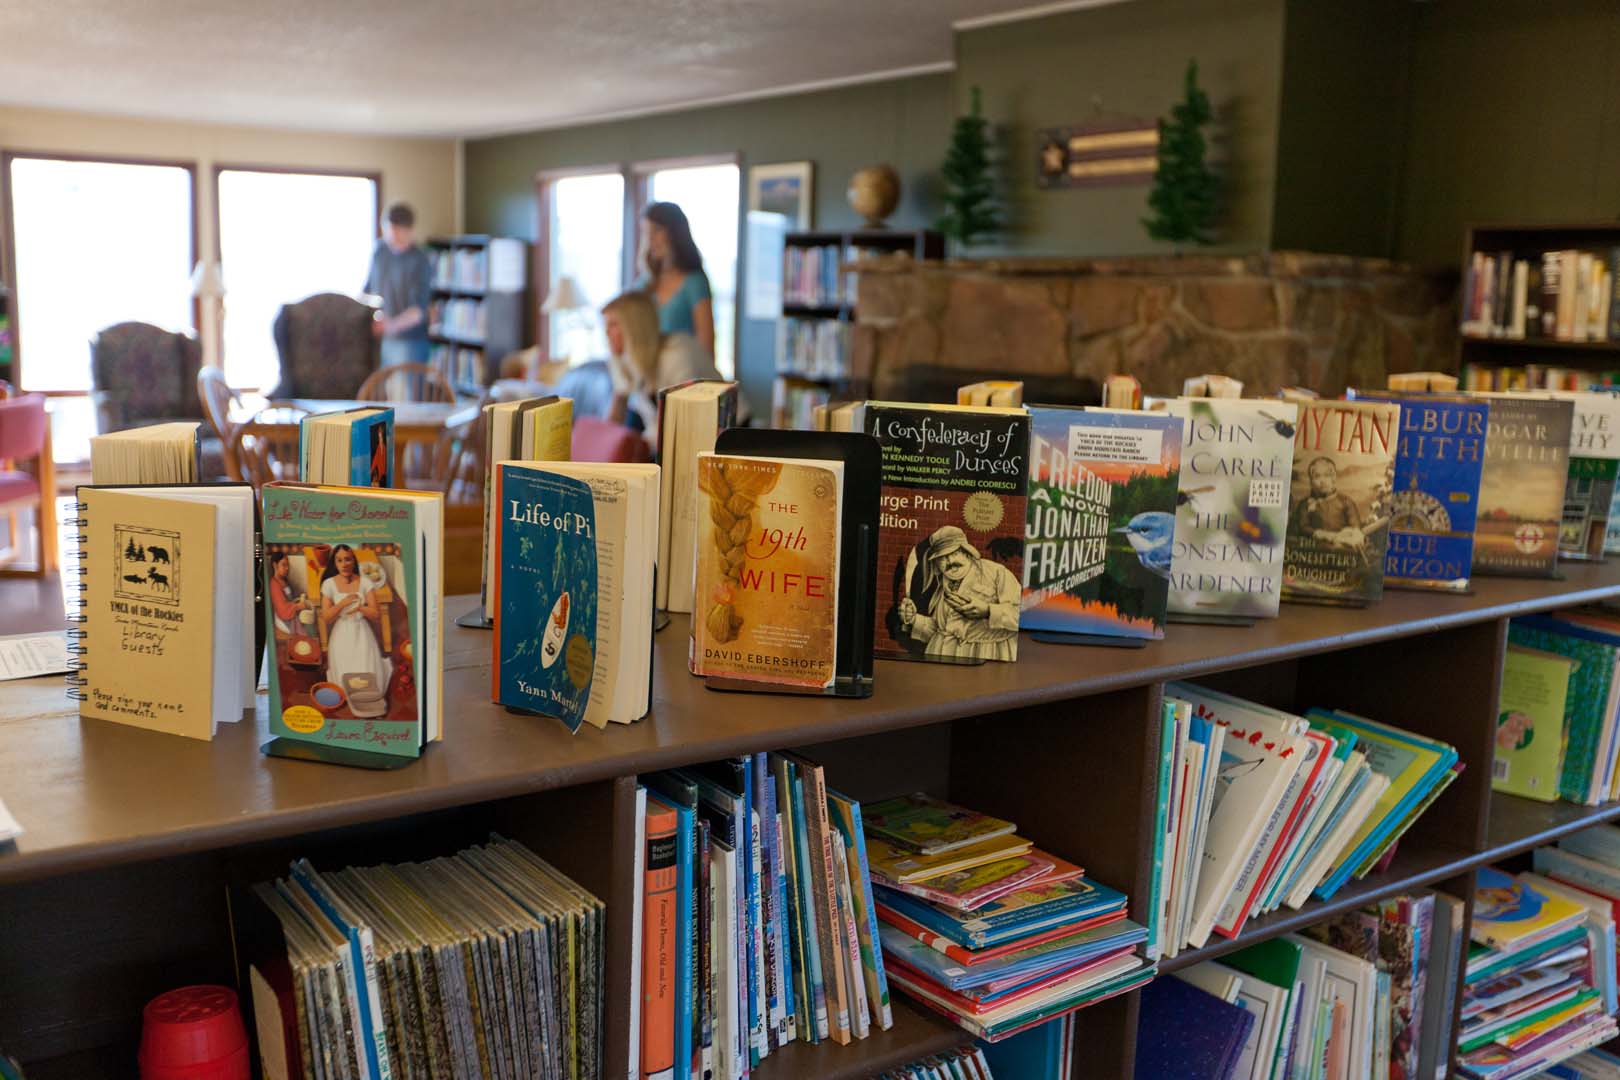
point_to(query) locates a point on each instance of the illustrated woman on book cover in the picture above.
(285, 601)
(957, 603)
(349, 606)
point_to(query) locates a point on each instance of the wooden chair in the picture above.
(267, 457)
(326, 347)
(217, 398)
(25, 436)
(407, 382)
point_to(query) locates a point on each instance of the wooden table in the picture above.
(416, 423)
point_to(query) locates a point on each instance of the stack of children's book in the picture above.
(1558, 723)
(985, 929)
(1539, 986)
(1594, 1064)
(755, 918)
(1280, 807)
(967, 1063)
(488, 963)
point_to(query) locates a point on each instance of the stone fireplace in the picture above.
(1284, 318)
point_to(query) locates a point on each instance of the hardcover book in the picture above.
(1530, 723)
(691, 416)
(1232, 506)
(1339, 504)
(1591, 519)
(931, 826)
(1101, 520)
(766, 585)
(546, 593)
(951, 530)
(1521, 487)
(360, 668)
(1438, 460)
(354, 447)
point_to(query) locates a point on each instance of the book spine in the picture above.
(872, 955)
(816, 974)
(809, 1015)
(824, 878)
(638, 937)
(660, 891)
(783, 979)
(702, 968)
(1613, 326)
(750, 933)
(858, 1008)
(1161, 816)
(685, 940)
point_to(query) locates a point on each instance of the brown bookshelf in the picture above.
(117, 889)
(496, 292)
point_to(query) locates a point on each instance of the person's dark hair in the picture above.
(331, 570)
(683, 250)
(401, 214)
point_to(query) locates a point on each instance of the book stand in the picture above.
(298, 750)
(476, 619)
(1188, 619)
(1106, 641)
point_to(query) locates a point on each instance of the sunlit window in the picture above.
(585, 233)
(282, 237)
(97, 243)
(708, 194)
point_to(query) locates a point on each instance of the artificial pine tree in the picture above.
(969, 187)
(1185, 188)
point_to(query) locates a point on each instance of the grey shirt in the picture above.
(403, 279)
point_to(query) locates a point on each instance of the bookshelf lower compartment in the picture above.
(915, 1034)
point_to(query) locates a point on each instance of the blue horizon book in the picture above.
(353, 447)
(545, 593)
(1439, 460)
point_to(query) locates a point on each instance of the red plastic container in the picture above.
(194, 1033)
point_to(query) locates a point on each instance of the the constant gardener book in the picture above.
(950, 529)
(765, 592)
(1100, 521)
(1232, 509)
(1438, 462)
(1339, 503)
(353, 447)
(357, 645)
(545, 593)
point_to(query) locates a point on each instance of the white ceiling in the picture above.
(451, 67)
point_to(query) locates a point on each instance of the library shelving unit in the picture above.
(1529, 242)
(119, 887)
(818, 297)
(477, 307)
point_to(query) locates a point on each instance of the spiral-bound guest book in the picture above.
(166, 576)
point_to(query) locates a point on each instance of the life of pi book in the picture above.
(765, 590)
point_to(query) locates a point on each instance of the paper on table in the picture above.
(25, 656)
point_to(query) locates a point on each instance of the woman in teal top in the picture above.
(672, 273)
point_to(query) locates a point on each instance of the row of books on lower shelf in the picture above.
(797, 405)
(461, 318)
(462, 366)
(1520, 377)
(1259, 808)
(1374, 991)
(813, 348)
(1555, 295)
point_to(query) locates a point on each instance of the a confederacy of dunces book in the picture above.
(1237, 457)
(545, 593)
(1100, 521)
(1437, 471)
(1338, 518)
(765, 589)
(950, 529)
(1522, 486)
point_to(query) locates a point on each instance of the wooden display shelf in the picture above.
(915, 1034)
(1518, 824)
(1541, 344)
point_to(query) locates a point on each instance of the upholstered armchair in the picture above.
(142, 374)
(326, 347)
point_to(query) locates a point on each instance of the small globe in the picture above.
(874, 192)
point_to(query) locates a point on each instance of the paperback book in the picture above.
(951, 530)
(1232, 506)
(531, 429)
(1101, 519)
(1521, 487)
(690, 419)
(1338, 524)
(1530, 723)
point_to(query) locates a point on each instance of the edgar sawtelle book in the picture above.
(1101, 520)
(950, 529)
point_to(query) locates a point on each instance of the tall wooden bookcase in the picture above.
(119, 887)
(477, 307)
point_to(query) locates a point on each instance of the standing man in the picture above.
(402, 275)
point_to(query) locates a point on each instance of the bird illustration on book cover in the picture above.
(766, 585)
(1100, 521)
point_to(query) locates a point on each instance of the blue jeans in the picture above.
(404, 350)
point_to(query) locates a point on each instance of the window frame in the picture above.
(637, 189)
(8, 238)
(218, 256)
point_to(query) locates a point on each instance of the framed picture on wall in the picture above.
(787, 188)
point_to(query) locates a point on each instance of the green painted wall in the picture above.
(1341, 138)
(1127, 60)
(1515, 117)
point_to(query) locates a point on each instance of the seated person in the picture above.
(645, 360)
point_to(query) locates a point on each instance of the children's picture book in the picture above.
(1510, 912)
(950, 531)
(546, 593)
(766, 580)
(167, 612)
(358, 650)
(1530, 723)
(354, 448)
(931, 826)
(1521, 487)
(1232, 506)
(893, 863)
(1100, 521)
(1438, 461)
(1339, 501)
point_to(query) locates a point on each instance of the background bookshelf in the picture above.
(1500, 300)
(814, 363)
(477, 306)
(134, 840)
